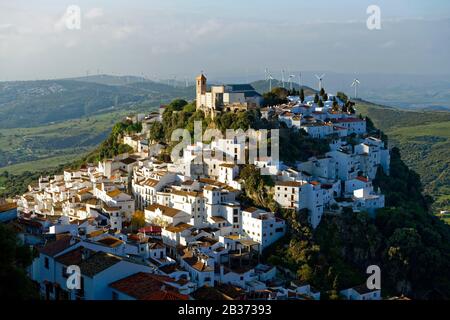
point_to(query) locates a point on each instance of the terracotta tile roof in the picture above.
(151, 182)
(185, 193)
(363, 179)
(178, 228)
(218, 218)
(289, 183)
(74, 257)
(146, 286)
(150, 229)
(114, 193)
(342, 120)
(128, 160)
(197, 264)
(110, 242)
(97, 263)
(167, 211)
(7, 207)
(53, 248)
(228, 165)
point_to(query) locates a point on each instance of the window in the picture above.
(46, 263)
(64, 272)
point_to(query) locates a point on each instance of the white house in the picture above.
(262, 226)
(361, 293)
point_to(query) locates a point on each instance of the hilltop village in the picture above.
(139, 227)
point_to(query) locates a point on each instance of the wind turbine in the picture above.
(300, 79)
(290, 81)
(269, 78)
(355, 84)
(282, 77)
(320, 78)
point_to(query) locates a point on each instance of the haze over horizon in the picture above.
(167, 39)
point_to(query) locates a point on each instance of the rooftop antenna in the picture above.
(355, 84)
(320, 78)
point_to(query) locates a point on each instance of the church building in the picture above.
(225, 98)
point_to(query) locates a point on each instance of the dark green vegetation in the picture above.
(424, 142)
(263, 86)
(26, 104)
(411, 246)
(15, 257)
(47, 123)
(14, 184)
(112, 146)
(26, 148)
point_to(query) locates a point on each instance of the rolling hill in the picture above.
(34, 103)
(44, 123)
(423, 138)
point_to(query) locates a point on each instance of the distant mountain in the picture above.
(110, 80)
(33, 103)
(406, 91)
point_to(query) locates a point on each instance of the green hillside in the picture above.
(424, 141)
(43, 123)
(33, 103)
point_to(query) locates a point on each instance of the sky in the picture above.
(162, 39)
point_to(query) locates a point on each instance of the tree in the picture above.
(276, 96)
(316, 98)
(15, 257)
(138, 220)
(322, 92)
(176, 105)
(302, 95)
(305, 273)
(156, 131)
(342, 96)
(320, 103)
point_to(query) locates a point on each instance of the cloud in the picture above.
(94, 13)
(388, 44)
